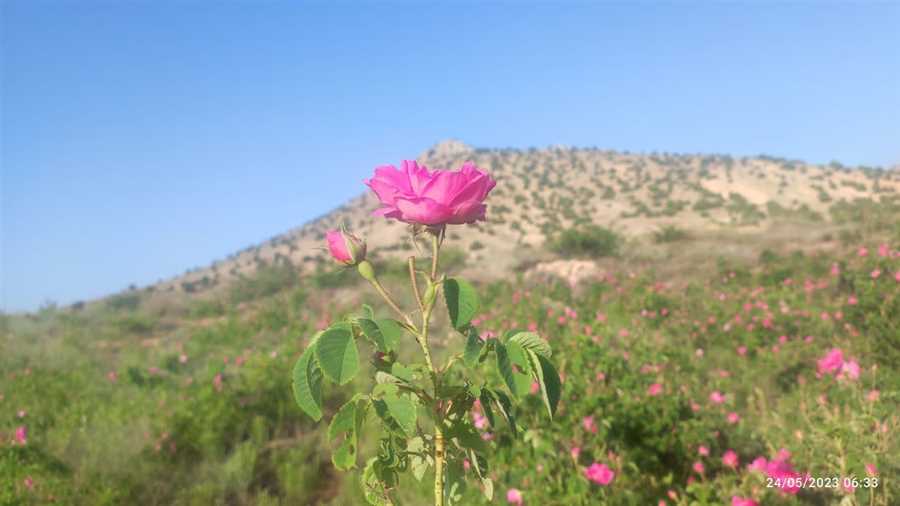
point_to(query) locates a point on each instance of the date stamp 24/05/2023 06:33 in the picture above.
(844, 482)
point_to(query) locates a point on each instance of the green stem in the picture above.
(412, 279)
(387, 297)
(439, 448)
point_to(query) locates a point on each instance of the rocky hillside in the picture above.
(541, 192)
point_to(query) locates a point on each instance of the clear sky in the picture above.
(140, 139)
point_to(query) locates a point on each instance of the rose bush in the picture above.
(428, 200)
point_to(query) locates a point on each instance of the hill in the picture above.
(760, 201)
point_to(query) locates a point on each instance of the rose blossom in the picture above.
(743, 501)
(22, 435)
(413, 194)
(600, 474)
(730, 459)
(514, 496)
(831, 362)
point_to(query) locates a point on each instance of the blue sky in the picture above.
(140, 139)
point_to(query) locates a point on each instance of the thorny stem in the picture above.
(435, 249)
(439, 451)
(387, 297)
(422, 338)
(415, 285)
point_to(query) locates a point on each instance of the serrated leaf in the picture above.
(479, 463)
(344, 458)
(466, 436)
(384, 334)
(454, 482)
(509, 355)
(487, 398)
(373, 487)
(403, 411)
(474, 345)
(532, 342)
(488, 488)
(307, 382)
(383, 377)
(401, 371)
(504, 406)
(337, 354)
(348, 421)
(343, 421)
(548, 379)
(392, 332)
(419, 458)
(462, 302)
(504, 366)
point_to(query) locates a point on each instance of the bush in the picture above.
(670, 233)
(588, 241)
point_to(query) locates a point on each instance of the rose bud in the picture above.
(345, 247)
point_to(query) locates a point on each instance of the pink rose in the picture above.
(414, 194)
(742, 501)
(600, 474)
(716, 397)
(849, 369)
(514, 496)
(730, 459)
(654, 389)
(759, 464)
(22, 435)
(831, 362)
(783, 473)
(345, 247)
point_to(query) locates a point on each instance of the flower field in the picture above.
(769, 381)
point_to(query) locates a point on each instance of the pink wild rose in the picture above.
(849, 370)
(600, 474)
(743, 501)
(730, 459)
(413, 194)
(514, 496)
(654, 389)
(22, 435)
(831, 362)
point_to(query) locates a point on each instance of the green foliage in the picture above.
(337, 354)
(462, 302)
(587, 241)
(267, 280)
(402, 390)
(670, 233)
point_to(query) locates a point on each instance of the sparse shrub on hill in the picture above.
(124, 301)
(670, 233)
(592, 241)
(267, 280)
